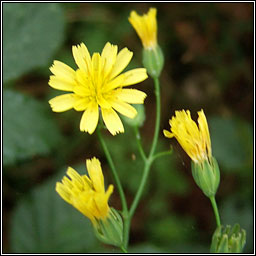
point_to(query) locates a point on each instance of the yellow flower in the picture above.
(97, 86)
(146, 27)
(87, 194)
(195, 140)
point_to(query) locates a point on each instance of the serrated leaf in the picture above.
(28, 129)
(31, 34)
(44, 223)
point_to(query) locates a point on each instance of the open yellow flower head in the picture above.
(146, 27)
(87, 194)
(97, 86)
(193, 138)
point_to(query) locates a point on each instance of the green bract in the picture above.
(228, 239)
(110, 231)
(153, 61)
(206, 176)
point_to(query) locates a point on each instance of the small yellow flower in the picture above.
(146, 27)
(87, 194)
(97, 86)
(193, 138)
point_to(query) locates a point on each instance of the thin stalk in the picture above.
(158, 116)
(160, 154)
(123, 249)
(138, 139)
(149, 160)
(114, 172)
(215, 209)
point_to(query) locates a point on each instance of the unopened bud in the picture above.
(228, 240)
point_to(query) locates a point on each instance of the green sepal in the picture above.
(228, 240)
(110, 230)
(153, 61)
(206, 176)
(139, 119)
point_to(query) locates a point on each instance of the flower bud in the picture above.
(110, 230)
(139, 119)
(153, 60)
(228, 240)
(206, 175)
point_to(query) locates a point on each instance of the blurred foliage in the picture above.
(31, 33)
(28, 129)
(44, 223)
(208, 64)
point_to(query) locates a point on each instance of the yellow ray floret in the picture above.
(97, 86)
(86, 194)
(193, 138)
(146, 27)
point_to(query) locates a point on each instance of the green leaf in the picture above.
(31, 34)
(231, 142)
(44, 223)
(28, 129)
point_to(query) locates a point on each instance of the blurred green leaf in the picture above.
(28, 129)
(168, 177)
(171, 230)
(31, 34)
(146, 248)
(231, 142)
(44, 223)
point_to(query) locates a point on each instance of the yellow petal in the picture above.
(109, 191)
(132, 96)
(59, 83)
(112, 121)
(82, 91)
(95, 173)
(63, 71)
(96, 70)
(90, 118)
(123, 108)
(62, 191)
(82, 57)
(81, 104)
(108, 56)
(63, 102)
(134, 76)
(168, 134)
(123, 59)
(115, 83)
(203, 126)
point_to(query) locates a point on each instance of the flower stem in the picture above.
(148, 161)
(138, 139)
(113, 170)
(123, 249)
(160, 154)
(215, 209)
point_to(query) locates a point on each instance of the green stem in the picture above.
(215, 209)
(158, 116)
(114, 172)
(149, 160)
(123, 249)
(138, 139)
(160, 154)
